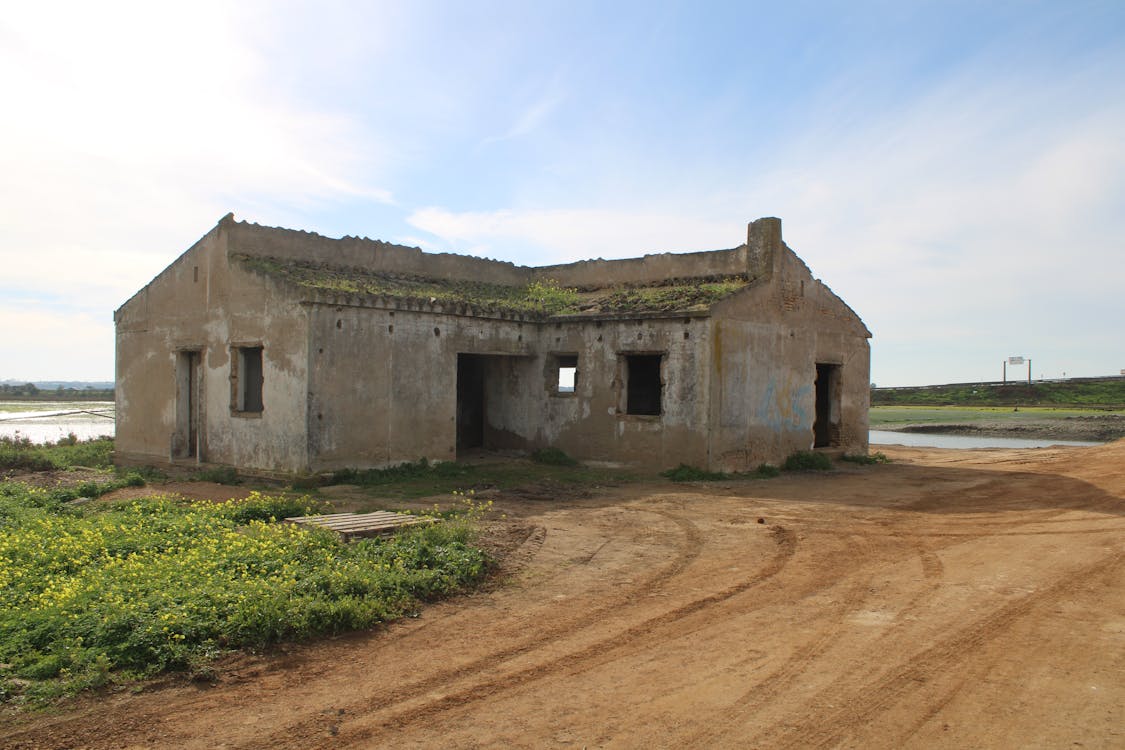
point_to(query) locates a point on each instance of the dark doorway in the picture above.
(826, 429)
(643, 387)
(185, 443)
(470, 402)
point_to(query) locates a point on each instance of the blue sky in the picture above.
(955, 171)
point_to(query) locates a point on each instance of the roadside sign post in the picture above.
(1017, 361)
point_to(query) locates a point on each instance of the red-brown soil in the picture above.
(951, 599)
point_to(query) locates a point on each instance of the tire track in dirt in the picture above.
(874, 697)
(786, 542)
(977, 669)
(691, 545)
(932, 570)
(687, 550)
(792, 669)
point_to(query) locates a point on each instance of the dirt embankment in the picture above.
(950, 599)
(1092, 428)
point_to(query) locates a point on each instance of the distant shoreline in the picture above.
(1095, 428)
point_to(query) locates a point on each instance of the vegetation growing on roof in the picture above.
(544, 297)
(669, 298)
(540, 297)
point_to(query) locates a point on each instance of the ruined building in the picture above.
(283, 351)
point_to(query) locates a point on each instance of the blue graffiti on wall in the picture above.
(784, 407)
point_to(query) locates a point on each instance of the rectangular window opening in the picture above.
(246, 380)
(643, 384)
(567, 368)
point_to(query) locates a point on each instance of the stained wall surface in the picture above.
(355, 381)
(203, 304)
(766, 344)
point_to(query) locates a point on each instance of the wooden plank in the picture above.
(350, 525)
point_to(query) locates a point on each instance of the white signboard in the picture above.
(1015, 360)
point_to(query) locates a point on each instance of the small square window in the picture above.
(568, 373)
(246, 379)
(562, 374)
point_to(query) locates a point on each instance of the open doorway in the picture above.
(492, 411)
(185, 441)
(826, 429)
(470, 402)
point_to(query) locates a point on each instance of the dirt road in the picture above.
(951, 599)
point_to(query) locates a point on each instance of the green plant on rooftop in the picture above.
(540, 297)
(671, 297)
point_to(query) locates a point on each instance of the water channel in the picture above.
(930, 440)
(49, 421)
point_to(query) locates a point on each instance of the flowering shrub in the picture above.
(122, 591)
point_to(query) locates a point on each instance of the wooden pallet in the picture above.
(354, 525)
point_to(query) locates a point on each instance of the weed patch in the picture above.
(686, 473)
(866, 458)
(552, 457)
(20, 453)
(218, 475)
(99, 594)
(807, 461)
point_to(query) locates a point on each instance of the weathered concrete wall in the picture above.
(383, 383)
(751, 259)
(383, 387)
(650, 269)
(273, 242)
(200, 303)
(766, 343)
(359, 252)
(592, 425)
(351, 381)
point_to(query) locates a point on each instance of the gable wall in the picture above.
(766, 342)
(200, 303)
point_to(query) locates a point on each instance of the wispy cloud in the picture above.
(529, 119)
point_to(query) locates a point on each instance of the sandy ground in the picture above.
(951, 599)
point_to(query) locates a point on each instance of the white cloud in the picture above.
(132, 127)
(541, 237)
(46, 345)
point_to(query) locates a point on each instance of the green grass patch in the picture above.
(1100, 392)
(423, 479)
(67, 453)
(807, 461)
(670, 297)
(897, 415)
(116, 592)
(542, 297)
(217, 475)
(866, 459)
(552, 457)
(686, 473)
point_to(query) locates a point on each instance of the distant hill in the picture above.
(1108, 392)
(56, 390)
(52, 385)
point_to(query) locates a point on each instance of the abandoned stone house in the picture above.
(275, 350)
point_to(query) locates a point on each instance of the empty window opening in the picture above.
(246, 379)
(565, 372)
(643, 386)
(826, 429)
